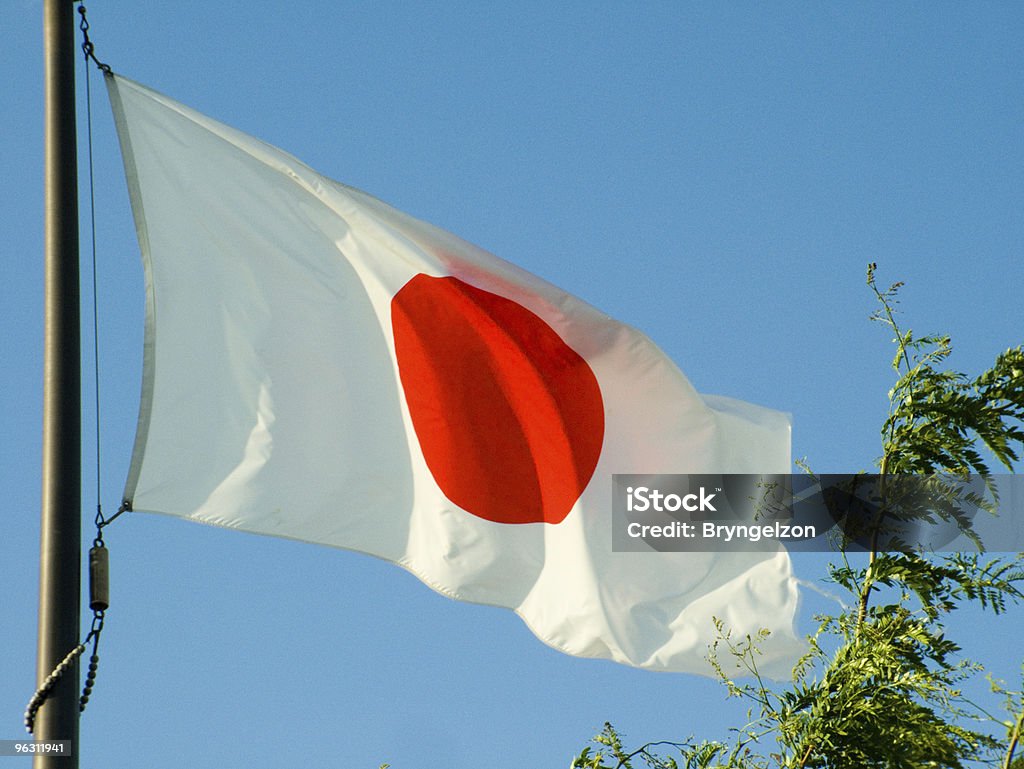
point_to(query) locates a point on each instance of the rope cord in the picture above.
(99, 581)
(97, 571)
(87, 47)
(87, 50)
(44, 691)
(99, 555)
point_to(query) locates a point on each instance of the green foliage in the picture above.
(692, 756)
(881, 684)
(937, 418)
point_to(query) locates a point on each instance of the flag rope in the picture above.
(99, 580)
(99, 575)
(43, 692)
(88, 50)
(99, 602)
(87, 47)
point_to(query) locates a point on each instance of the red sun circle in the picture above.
(510, 419)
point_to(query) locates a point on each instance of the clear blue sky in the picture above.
(716, 174)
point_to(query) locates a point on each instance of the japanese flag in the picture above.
(322, 367)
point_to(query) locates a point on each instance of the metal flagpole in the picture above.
(61, 537)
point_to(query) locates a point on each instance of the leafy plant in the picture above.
(881, 684)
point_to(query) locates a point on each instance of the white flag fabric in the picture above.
(323, 367)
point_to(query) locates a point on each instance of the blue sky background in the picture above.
(716, 174)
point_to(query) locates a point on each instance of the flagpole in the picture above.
(61, 536)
